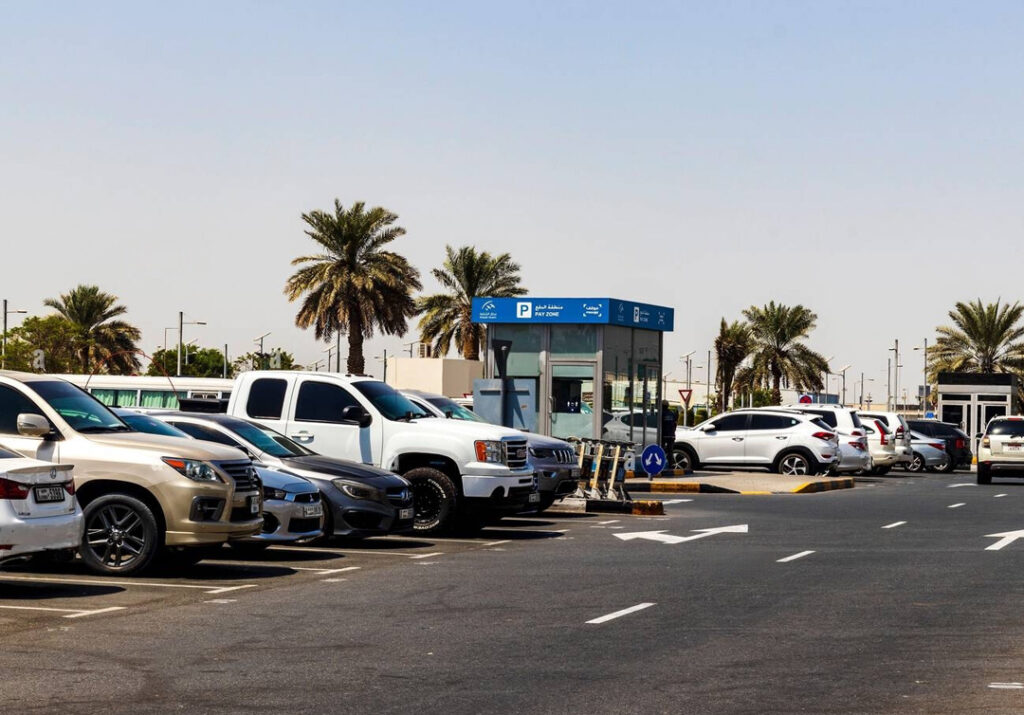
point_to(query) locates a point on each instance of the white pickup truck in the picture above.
(466, 471)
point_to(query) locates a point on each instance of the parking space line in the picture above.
(619, 614)
(1006, 686)
(495, 543)
(72, 612)
(208, 588)
(998, 495)
(426, 556)
(957, 505)
(610, 521)
(894, 525)
(794, 557)
(670, 502)
(109, 609)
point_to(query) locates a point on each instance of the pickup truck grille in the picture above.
(243, 474)
(516, 453)
(565, 456)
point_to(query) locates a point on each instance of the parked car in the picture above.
(782, 441)
(900, 430)
(882, 447)
(618, 423)
(1001, 449)
(845, 423)
(359, 500)
(292, 511)
(553, 460)
(958, 444)
(460, 471)
(140, 493)
(928, 453)
(38, 510)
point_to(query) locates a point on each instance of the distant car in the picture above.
(928, 453)
(783, 441)
(882, 447)
(958, 444)
(900, 430)
(292, 512)
(1001, 449)
(38, 509)
(618, 423)
(553, 460)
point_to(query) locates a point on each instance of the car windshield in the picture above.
(267, 440)
(388, 401)
(453, 408)
(1007, 428)
(149, 425)
(8, 454)
(83, 412)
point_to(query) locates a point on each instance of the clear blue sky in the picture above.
(861, 158)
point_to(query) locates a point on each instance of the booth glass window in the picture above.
(617, 358)
(573, 342)
(647, 385)
(572, 398)
(527, 342)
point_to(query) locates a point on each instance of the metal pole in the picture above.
(862, 390)
(924, 385)
(3, 355)
(225, 360)
(888, 384)
(707, 397)
(385, 365)
(896, 376)
(337, 351)
(181, 323)
(263, 363)
(844, 388)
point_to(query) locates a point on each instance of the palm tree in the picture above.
(95, 333)
(466, 274)
(983, 338)
(356, 286)
(779, 356)
(732, 346)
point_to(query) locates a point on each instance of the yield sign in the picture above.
(685, 395)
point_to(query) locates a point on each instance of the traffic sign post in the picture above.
(653, 460)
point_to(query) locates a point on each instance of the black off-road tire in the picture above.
(121, 535)
(435, 500)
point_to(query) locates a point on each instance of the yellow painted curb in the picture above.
(630, 474)
(671, 487)
(648, 508)
(810, 487)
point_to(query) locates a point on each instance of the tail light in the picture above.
(857, 445)
(899, 433)
(857, 433)
(959, 443)
(827, 436)
(69, 487)
(882, 434)
(937, 445)
(13, 490)
(985, 442)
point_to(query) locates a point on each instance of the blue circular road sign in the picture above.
(653, 459)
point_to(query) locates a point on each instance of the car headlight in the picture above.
(271, 493)
(542, 452)
(358, 490)
(193, 469)
(490, 451)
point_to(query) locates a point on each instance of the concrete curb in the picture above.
(811, 487)
(630, 474)
(665, 487)
(637, 507)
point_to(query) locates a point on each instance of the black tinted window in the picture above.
(266, 398)
(1007, 428)
(207, 433)
(7, 454)
(322, 402)
(731, 422)
(829, 417)
(772, 422)
(924, 428)
(12, 404)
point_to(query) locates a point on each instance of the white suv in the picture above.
(901, 440)
(1001, 449)
(782, 441)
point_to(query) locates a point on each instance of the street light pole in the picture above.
(181, 324)
(263, 364)
(842, 371)
(3, 350)
(924, 377)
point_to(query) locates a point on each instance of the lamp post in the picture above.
(825, 382)
(259, 341)
(3, 350)
(870, 379)
(842, 371)
(924, 377)
(181, 324)
(385, 360)
(895, 367)
(225, 374)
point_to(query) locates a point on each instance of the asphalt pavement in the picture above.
(888, 597)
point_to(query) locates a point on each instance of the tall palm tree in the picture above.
(732, 346)
(982, 338)
(779, 356)
(465, 274)
(355, 286)
(95, 333)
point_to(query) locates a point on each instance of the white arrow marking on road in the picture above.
(670, 539)
(1007, 537)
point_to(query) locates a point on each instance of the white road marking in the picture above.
(669, 502)
(610, 521)
(1006, 686)
(664, 538)
(427, 556)
(72, 612)
(441, 540)
(325, 572)
(208, 588)
(109, 609)
(332, 580)
(495, 543)
(1008, 537)
(794, 557)
(956, 506)
(623, 612)
(425, 563)
(894, 525)
(222, 600)
(962, 484)
(997, 496)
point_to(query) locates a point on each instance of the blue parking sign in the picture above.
(653, 459)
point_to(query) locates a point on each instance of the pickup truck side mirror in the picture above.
(354, 414)
(32, 425)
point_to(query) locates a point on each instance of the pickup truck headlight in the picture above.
(358, 490)
(271, 493)
(490, 451)
(194, 470)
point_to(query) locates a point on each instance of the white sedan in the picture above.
(38, 508)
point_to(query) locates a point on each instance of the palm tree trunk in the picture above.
(356, 362)
(470, 341)
(777, 388)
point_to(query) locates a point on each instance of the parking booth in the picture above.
(588, 368)
(970, 400)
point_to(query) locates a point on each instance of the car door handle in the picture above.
(737, 439)
(781, 436)
(303, 437)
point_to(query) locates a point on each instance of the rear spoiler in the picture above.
(203, 404)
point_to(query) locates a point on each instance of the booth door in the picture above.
(571, 401)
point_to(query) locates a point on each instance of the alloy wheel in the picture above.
(116, 534)
(793, 464)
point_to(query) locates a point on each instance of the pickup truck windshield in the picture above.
(457, 411)
(83, 412)
(389, 402)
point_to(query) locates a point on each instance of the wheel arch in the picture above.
(96, 488)
(812, 461)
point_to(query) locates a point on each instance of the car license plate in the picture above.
(534, 498)
(405, 513)
(313, 510)
(575, 474)
(254, 504)
(1014, 447)
(49, 494)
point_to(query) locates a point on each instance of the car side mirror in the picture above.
(979, 435)
(354, 414)
(448, 414)
(31, 425)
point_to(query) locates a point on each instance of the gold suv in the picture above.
(140, 493)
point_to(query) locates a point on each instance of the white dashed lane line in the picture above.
(997, 496)
(619, 614)
(956, 506)
(794, 557)
(894, 525)
(1006, 686)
